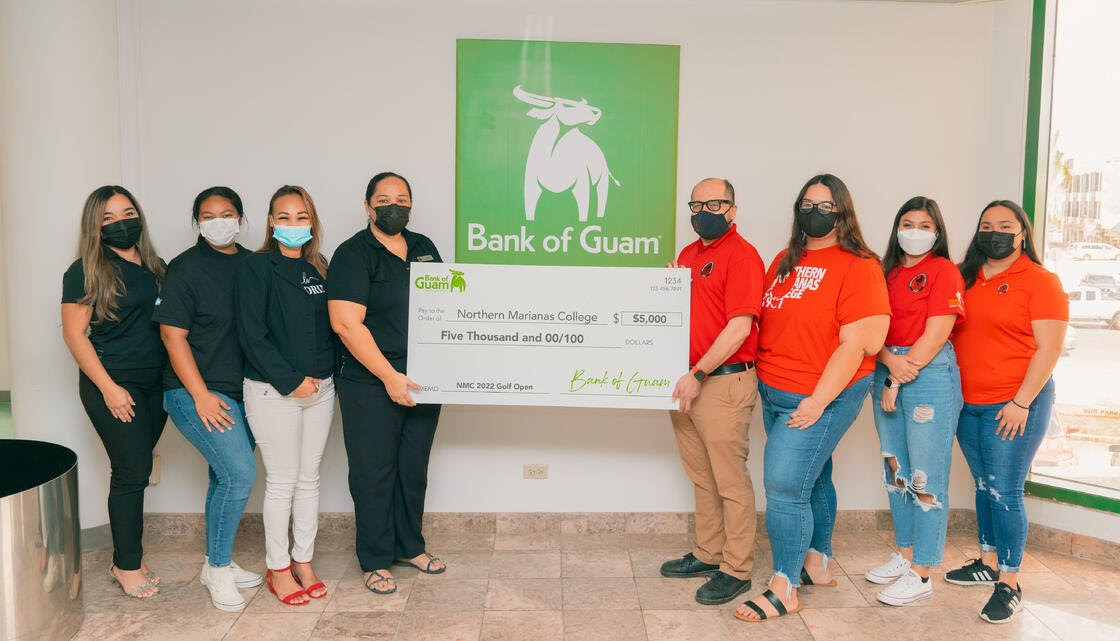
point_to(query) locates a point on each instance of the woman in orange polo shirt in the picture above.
(824, 317)
(1007, 349)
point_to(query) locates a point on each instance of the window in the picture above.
(1077, 217)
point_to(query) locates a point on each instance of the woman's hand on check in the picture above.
(398, 386)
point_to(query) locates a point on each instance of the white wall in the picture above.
(5, 358)
(59, 137)
(897, 99)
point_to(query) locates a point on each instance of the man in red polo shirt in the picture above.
(717, 396)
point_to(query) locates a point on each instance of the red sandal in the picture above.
(286, 599)
(311, 588)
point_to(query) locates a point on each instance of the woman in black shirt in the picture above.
(108, 296)
(202, 386)
(289, 392)
(388, 436)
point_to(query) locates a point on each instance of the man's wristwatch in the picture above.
(698, 374)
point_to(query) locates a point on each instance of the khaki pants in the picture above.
(712, 438)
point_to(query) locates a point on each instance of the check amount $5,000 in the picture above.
(544, 336)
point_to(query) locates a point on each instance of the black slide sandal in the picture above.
(808, 580)
(762, 616)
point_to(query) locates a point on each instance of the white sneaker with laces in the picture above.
(242, 577)
(906, 590)
(890, 571)
(223, 589)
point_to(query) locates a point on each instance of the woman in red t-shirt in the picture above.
(917, 394)
(824, 317)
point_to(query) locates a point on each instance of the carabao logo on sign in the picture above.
(565, 153)
(561, 157)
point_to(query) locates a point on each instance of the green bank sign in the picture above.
(566, 153)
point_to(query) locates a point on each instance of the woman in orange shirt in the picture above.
(1007, 349)
(824, 317)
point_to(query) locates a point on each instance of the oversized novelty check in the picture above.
(567, 336)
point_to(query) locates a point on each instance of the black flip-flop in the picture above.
(762, 616)
(377, 577)
(427, 569)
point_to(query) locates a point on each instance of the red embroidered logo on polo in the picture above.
(918, 283)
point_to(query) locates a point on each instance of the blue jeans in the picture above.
(232, 468)
(918, 436)
(800, 496)
(999, 468)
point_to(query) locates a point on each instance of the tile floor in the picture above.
(591, 587)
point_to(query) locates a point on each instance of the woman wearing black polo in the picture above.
(388, 435)
(108, 296)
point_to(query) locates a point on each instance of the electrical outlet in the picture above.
(536, 471)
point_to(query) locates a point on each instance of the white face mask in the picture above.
(220, 231)
(916, 241)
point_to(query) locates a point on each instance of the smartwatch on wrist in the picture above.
(699, 374)
(888, 383)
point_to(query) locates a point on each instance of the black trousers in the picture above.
(129, 446)
(388, 447)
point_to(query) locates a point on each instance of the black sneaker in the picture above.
(1003, 605)
(973, 573)
(721, 588)
(686, 566)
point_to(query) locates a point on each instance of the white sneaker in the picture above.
(906, 590)
(890, 571)
(223, 590)
(242, 577)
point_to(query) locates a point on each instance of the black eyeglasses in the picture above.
(825, 207)
(710, 205)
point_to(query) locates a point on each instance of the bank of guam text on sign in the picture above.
(566, 153)
(544, 335)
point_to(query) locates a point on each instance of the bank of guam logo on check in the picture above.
(453, 282)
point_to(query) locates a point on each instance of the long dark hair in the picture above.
(848, 234)
(103, 282)
(974, 258)
(893, 256)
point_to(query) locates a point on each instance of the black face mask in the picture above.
(123, 233)
(710, 226)
(996, 244)
(391, 219)
(815, 223)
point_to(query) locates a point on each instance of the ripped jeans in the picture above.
(999, 469)
(916, 440)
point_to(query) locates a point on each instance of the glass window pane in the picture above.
(1082, 245)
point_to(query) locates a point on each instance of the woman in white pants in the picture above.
(289, 393)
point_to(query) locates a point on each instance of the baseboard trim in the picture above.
(338, 527)
(96, 538)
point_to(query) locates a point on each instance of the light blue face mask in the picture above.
(292, 236)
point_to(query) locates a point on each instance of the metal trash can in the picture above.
(40, 547)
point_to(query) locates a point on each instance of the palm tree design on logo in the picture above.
(561, 156)
(457, 281)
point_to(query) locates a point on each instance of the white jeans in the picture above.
(292, 434)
